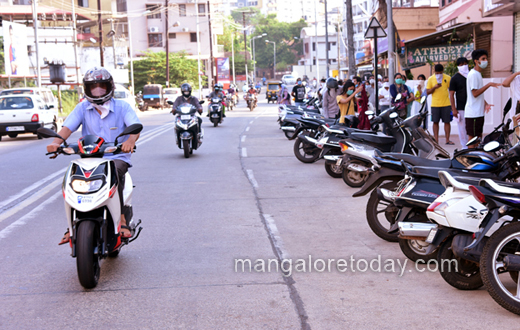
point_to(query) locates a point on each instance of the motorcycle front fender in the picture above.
(186, 136)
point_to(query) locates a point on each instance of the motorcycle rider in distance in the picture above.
(217, 92)
(253, 92)
(233, 91)
(186, 97)
(104, 116)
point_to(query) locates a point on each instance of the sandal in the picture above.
(450, 143)
(65, 239)
(122, 234)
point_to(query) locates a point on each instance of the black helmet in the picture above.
(102, 77)
(332, 83)
(186, 90)
(216, 87)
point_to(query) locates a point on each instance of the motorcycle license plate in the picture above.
(151, 99)
(185, 117)
(338, 162)
(15, 128)
(214, 115)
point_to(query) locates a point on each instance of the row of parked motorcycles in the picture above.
(460, 210)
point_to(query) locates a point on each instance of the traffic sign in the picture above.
(374, 30)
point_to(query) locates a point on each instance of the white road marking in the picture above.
(251, 122)
(23, 220)
(243, 138)
(20, 206)
(150, 137)
(252, 179)
(275, 236)
(30, 188)
(244, 152)
(247, 129)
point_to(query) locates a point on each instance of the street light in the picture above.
(252, 40)
(274, 66)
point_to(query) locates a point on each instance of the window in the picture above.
(155, 40)
(193, 37)
(83, 3)
(121, 6)
(182, 10)
(86, 30)
(155, 11)
(313, 46)
(202, 9)
(314, 61)
(172, 35)
(334, 44)
(306, 48)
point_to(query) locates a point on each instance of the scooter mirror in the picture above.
(492, 146)
(423, 99)
(398, 97)
(369, 113)
(393, 115)
(170, 102)
(48, 133)
(201, 102)
(132, 129)
(472, 141)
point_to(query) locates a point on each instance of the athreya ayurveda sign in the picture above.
(438, 53)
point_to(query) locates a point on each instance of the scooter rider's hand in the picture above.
(128, 145)
(53, 147)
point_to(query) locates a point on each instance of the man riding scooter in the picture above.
(253, 93)
(106, 117)
(186, 97)
(218, 93)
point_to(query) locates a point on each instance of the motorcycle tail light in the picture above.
(479, 196)
(432, 206)
(35, 118)
(343, 146)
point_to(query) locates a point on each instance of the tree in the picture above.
(2, 59)
(350, 40)
(152, 70)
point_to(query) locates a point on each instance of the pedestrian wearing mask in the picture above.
(330, 103)
(397, 88)
(476, 105)
(418, 92)
(384, 97)
(347, 100)
(371, 90)
(458, 98)
(437, 86)
(298, 92)
(285, 96)
(410, 102)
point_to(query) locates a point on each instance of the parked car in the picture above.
(289, 79)
(124, 94)
(44, 93)
(25, 114)
(171, 94)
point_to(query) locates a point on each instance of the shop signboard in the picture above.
(437, 54)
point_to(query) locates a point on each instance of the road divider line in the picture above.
(251, 122)
(247, 129)
(243, 138)
(23, 220)
(252, 179)
(166, 128)
(244, 152)
(20, 206)
(275, 236)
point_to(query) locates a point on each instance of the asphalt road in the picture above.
(243, 194)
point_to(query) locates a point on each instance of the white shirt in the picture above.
(386, 94)
(474, 105)
(515, 92)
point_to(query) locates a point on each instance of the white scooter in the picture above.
(92, 203)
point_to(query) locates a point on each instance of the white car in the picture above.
(44, 93)
(25, 114)
(289, 79)
(171, 94)
(124, 94)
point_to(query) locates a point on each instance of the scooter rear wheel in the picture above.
(466, 275)
(335, 171)
(87, 263)
(305, 153)
(354, 179)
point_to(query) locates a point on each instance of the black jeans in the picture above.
(122, 168)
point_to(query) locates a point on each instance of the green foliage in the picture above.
(152, 70)
(69, 100)
(2, 59)
(251, 15)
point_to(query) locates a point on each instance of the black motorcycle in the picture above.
(188, 131)
(215, 111)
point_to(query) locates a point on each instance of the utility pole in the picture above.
(316, 44)
(350, 40)
(35, 24)
(212, 65)
(75, 38)
(326, 38)
(339, 49)
(391, 41)
(233, 55)
(100, 27)
(167, 39)
(245, 40)
(198, 51)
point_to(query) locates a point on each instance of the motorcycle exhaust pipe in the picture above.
(415, 230)
(358, 168)
(332, 158)
(289, 128)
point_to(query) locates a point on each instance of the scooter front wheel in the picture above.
(87, 263)
(353, 178)
(186, 147)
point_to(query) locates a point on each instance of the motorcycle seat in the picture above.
(372, 138)
(433, 172)
(415, 160)
(501, 187)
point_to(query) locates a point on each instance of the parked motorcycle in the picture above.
(92, 203)
(188, 133)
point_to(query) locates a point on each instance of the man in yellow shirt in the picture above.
(438, 86)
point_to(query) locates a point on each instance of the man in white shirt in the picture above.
(476, 105)
(384, 97)
(513, 82)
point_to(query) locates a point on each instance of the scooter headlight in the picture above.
(82, 186)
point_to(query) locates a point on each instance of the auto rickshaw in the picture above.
(273, 88)
(153, 96)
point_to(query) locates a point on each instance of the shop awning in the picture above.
(463, 31)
